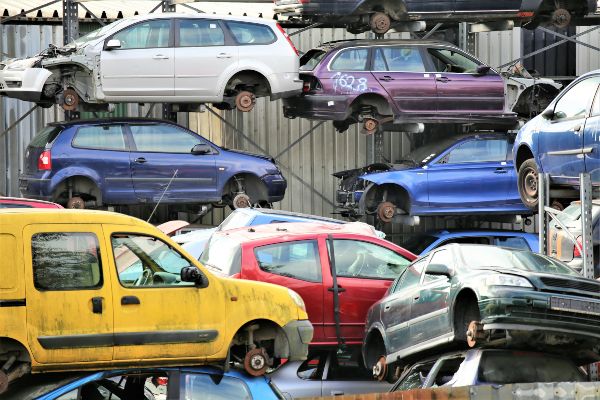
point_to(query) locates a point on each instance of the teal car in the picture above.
(466, 295)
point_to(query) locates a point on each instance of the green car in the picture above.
(467, 295)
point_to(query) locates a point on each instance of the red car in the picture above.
(17, 202)
(300, 256)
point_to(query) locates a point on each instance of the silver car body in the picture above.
(195, 74)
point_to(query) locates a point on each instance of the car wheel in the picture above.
(528, 183)
(464, 316)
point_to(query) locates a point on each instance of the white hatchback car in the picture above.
(175, 58)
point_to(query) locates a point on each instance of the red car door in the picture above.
(365, 267)
(294, 264)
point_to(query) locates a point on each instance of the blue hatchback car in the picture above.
(562, 141)
(459, 175)
(144, 384)
(131, 161)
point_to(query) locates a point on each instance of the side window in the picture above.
(204, 386)
(513, 242)
(493, 150)
(351, 60)
(445, 372)
(299, 260)
(356, 259)
(412, 276)
(577, 101)
(163, 139)
(443, 257)
(121, 388)
(145, 35)
(102, 137)
(446, 60)
(469, 240)
(66, 260)
(200, 32)
(147, 261)
(312, 368)
(414, 378)
(405, 59)
(247, 33)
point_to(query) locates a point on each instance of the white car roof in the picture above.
(204, 16)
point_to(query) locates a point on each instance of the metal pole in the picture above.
(21, 118)
(311, 130)
(2, 21)
(585, 189)
(543, 199)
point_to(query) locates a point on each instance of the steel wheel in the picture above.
(528, 183)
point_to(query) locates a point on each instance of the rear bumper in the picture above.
(317, 107)
(24, 84)
(35, 188)
(290, 85)
(299, 335)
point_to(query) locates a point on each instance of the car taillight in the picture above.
(311, 84)
(235, 276)
(288, 39)
(576, 252)
(45, 161)
(162, 380)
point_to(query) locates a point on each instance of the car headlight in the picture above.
(508, 280)
(297, 299)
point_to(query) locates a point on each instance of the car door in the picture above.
(487, 6)
(591, 141)
(202, 53)
(104, 149)
(144, 64)
(441, 7)
(395, 313)
(345, 374)
(294, 264)
(429, 311)
(163, 166)
(69, 298)
(561, 138)
(460, 89)
(364, 272)
(474, 173)
(401, 72)
(156, 316)
(348, 75)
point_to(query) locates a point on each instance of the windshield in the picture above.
(236, 219)
(98, 33)
(311, 59)
(426, 153)
(417, 244)
(223, 255)
(498, 257)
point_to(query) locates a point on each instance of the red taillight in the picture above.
(162, 380)
(304, 1)
(235, 276)
(306, 87)
(576, 252)
(288, 39)
(45, 161)
(310, 83)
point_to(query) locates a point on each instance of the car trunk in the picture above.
(42, 141)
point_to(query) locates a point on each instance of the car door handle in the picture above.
(386, 308)
(340, 289)
(224, 55)
(140, 160)
(442, 79)
(576, 128)
(160, 57)
(337, 393)
(127, 300)
(416, 298)
(386, 78)
(97, 305)
(500, 171)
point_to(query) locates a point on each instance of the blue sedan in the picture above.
(563, 141)
(460, 175)
(144, 384)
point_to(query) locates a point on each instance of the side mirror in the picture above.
(112, 44)
(548, 113)
(483, 69)
(439, 269)
(201, 149)
(193, 274)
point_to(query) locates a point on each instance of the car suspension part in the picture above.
(70, 100)
(6, 375)
(380, 369)
(256, 360)
(245, 101)
(380, 23)
(386, 211)
(475, 333)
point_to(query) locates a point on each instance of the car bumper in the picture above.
(276, 186)
(24, 84)
(539, 311)
(35, 188)
(299, 335)
(294, 8)
(317, 107)
(291, 85)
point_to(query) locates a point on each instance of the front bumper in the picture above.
(299, 335)
(316, 107)
(24, 84)
(276, 186)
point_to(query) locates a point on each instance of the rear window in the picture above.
(236, 219)
(417, 244)
(45, 136)
(223, 255)
(351, 60)
(311, 59)
(247, 33)
(516, 367)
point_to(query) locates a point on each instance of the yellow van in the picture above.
(91, 289)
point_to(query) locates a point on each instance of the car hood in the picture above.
(371, 169)
(247, 153)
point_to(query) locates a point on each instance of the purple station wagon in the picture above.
(397, 81)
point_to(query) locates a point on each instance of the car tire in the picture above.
(528, 183)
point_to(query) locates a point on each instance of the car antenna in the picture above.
(162, 195)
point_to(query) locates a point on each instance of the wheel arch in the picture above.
(259, 188)
(371, 196)
(375, 335)
(376, 100)
(465, 296)
(523, 154)
(87, 183)
(268, 330)
(253, 76)
(11, 344)
(395, 9)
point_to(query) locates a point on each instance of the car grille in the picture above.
(1, 86)
(556, 315)
(572, 284)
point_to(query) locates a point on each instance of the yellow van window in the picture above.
(66, 260)
(8, 249)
